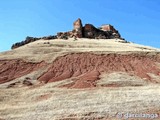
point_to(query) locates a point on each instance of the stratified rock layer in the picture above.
(85, 68)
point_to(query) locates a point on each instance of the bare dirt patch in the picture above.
(87, 67)
(12, 69)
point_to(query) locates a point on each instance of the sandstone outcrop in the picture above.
(90, 31)
(79, 31)
(110, 28)
(78, 28)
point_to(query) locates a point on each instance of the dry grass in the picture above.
(38, 51)
(121, 79)
(24, 103)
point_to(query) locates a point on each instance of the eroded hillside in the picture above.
(79, 79)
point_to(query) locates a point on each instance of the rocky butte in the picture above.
(88, 73)
(79, 31)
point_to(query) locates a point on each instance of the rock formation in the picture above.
(78, 28)
(108, 27)
(79, 31)
(90, 31)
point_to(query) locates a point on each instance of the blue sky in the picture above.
(137, 20)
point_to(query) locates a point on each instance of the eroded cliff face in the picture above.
(12, 69)
(85, 68)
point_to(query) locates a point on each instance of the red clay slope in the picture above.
(87, 67)
(11, 69)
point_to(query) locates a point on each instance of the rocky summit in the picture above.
(79, 31)
(90, 31)
(88, 73)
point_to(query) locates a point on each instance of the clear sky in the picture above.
(137, 20)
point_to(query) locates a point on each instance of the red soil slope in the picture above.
(87, 67)
(11, 69)
(83, 68)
